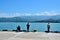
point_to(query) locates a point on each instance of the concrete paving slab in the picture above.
(29, 36)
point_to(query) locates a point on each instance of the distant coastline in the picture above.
(51, 19)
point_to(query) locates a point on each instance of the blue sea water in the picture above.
(41, 27)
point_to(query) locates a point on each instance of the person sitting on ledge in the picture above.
(18, 28)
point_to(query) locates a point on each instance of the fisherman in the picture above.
(18, 28)
(48, 27)
(28, 27)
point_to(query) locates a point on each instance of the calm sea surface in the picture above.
(39, 26)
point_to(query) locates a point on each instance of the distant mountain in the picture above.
(14, 19)
(55, 18)
(32, 18)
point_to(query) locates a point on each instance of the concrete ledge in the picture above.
(52, 31)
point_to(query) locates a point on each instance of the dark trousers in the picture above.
(27, 29)
(48, 29)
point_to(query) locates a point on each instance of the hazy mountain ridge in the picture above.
(32, 18)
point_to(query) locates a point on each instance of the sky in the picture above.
(13, 8)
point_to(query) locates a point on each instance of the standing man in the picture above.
(28, 27)
(48, 27)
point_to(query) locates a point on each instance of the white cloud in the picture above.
(49, 13)
(46, 13)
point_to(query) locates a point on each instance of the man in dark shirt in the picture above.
(48, 27)
(18, 28)
(28, 27)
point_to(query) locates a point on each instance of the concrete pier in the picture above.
(29, 36)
